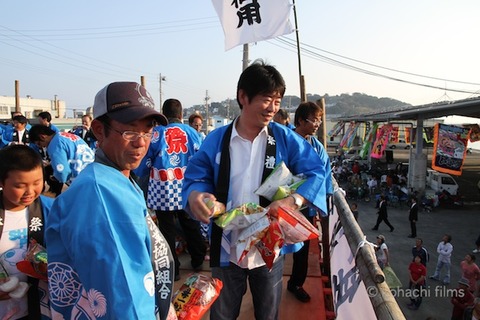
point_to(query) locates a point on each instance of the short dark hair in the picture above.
(260, 78)
(194, 116)
(305, 109)
(38, 129)
(172, 108)
(18, 157)
(20, 119)
(45, 115)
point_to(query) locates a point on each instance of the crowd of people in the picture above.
(122, 180)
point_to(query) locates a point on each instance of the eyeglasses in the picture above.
(132, 135)
(315, 123)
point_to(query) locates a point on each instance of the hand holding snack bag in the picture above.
(195, 296)
(241, 217)
(295, 227)
(216, 208)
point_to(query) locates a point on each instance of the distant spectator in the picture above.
(282, 117)
(470, 271)
(382, 252)
(45, 118)
(421, 251)
(444, 250)
(85, 131)
(19, 134)
(196, 122)
(354, 209)
(418, 273)
(382, 214)
(413, 217)
(461, 299)
(477, 243)
(372, 185)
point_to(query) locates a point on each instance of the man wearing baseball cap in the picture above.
(100, 235)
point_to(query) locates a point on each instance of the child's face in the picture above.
(21, 188)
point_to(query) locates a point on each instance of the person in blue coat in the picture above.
(45, 118)
(308, 118)
(106, 257)
(171, 148)
(85, 131)
(68, 153)
(23, 215)
(230, 165)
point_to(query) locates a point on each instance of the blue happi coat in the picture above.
(171, 148)
(297, 154)
(99, 253)
(69, 155)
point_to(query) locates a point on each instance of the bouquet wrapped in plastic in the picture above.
(196, 295)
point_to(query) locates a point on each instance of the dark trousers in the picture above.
(384, 219)
(300, 264)
(54, 185)
(191, 229)
(413, 228)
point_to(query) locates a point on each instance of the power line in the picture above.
(317, 56)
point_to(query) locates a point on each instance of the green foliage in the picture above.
(343, 104)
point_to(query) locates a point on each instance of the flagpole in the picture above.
(303, 95)
(245, 56)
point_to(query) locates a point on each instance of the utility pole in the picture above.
(160, 89)
(17, 96)
(206, 109)
(55, 104)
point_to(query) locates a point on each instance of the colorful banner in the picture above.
(474, 132)
(337, 128)
(394, 135)
(247, 21)
(350, 134)
(449, 148)
(350, 296)
(368, 141)
(381, 141)
(428, 134)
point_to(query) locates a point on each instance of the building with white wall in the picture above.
(31, 107)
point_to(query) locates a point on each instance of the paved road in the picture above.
(462, 223)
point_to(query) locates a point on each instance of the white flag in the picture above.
(246, 21)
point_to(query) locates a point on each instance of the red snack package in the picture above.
(295, 227)
(271, 241)
(195, 296)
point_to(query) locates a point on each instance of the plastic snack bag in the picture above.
(241, 217)
(35, 263)
(295, 227)
(196, 295)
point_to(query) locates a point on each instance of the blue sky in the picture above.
(73, 49)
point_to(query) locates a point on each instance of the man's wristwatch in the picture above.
(297, 199)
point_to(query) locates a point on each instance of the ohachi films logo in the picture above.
(424, 292)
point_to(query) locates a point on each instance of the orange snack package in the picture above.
(295, 227)
(196, 295)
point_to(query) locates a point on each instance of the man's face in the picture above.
(21, 188)
(42, 121)
(311, 124)
(127, 155)
(86, 122)
(197, 124)
(261, 109)
(19, 126)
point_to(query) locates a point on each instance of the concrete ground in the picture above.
(464, 226)
(462, 223)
